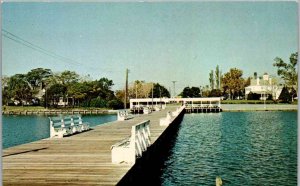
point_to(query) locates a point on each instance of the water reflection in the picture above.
(244, 148)
(18, 130)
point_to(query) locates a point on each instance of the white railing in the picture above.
(130, 148)
(166, 121)
(124, 115)
(66, 125)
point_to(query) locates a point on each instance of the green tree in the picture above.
(287, 71)
(192, 92)
(6, 94)
(233, 82)
(115, 104)
(215, 93)
(67, 77)
(36, 77)
(105, 86)
(159, 91)
(19, 88)
(217, 73)
(55, 92)
(98, 102)
(211, 79)
(79, 92)
(285, 96)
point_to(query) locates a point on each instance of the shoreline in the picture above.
(257, 107)
(225, 108)
(57, 111)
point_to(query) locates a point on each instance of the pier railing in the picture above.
(129, 149)
(168, 119)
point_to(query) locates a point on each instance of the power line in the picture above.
(32, 46)
(37, 48)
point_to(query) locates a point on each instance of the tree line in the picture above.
(232, 84)
(42, 87)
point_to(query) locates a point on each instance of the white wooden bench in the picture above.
(66, 125)
(130, 148)
(124, 115)
(147, 110)
(157, 108)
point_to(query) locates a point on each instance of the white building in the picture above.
(264, 86)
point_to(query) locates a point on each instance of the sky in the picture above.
(157, 41)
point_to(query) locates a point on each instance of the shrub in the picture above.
(253, 96)
(285, 96)
(115, 104)
(98, 102)
(215, 93)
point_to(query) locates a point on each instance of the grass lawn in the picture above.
(40, 108)
(254, 102)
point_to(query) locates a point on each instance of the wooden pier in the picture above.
(83, 159)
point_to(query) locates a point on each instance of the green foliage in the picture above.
(18, 88)
(215, 93)
(285, 96)
(217, 77)
(211, 79)
(36, 77)
(288, 72)
(55, 92)
(253, 96)
(98, 103)
(188, 92)
(78, 90)
(233, 82)
(115, 104)
(247, 102)
(159, 91)
(67, 77)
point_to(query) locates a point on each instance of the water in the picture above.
(243, 148)
(18, 130)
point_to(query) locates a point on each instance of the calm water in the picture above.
(18, 130)
(243, 148)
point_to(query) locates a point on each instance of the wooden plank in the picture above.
(82, 159)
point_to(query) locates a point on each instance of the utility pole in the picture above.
(152, 96)
(160, 97)
(174, 88)
(126, 89)
(135, 90)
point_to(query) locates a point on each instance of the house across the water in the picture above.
(263, 87)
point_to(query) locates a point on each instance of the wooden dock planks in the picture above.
(83, 159)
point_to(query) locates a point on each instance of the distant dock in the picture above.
(192, 105)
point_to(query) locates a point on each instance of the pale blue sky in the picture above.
(158, 42)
